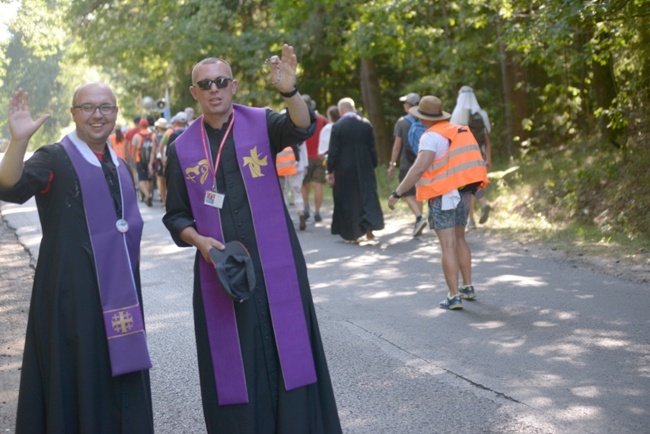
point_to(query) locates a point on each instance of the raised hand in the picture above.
(283, 69)
(21, 125)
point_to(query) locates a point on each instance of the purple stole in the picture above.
(116, 257)
(253, 152)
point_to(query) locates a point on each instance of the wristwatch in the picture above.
(392, 164)
(395, 195)
(290, 93)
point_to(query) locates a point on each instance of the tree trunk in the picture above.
(508, 97)
(371, 94)
(605, 89)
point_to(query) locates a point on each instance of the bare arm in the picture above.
(397, 146)
(488, 152)
(22, 127)
(422, 162)
(283, 77)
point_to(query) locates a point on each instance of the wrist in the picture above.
(392, 164)
(395, 194)
(290, 93)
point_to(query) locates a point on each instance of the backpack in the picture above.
(477, 127)
(415, 132)
(146, 144)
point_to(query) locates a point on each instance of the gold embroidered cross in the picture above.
(122, 321)
(254, 162)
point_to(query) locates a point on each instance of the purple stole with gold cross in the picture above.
(116, 245)
(253, 153)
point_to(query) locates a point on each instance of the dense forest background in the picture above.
(560, 79)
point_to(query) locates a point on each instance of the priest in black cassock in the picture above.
(351, 163)
(86, 363)
(261, 361)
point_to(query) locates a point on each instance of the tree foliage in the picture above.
(547, 71)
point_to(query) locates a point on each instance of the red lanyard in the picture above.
(213, 169)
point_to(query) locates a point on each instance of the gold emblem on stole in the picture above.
(254, 162)
(200, 169)
(122, 321)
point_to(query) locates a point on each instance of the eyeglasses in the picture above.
(220, 82)
(89, 109)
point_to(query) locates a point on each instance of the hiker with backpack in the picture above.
(407, 132)
(142, 145)
(468, 112)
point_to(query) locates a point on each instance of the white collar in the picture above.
(87, 153)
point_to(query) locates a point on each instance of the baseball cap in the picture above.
(411, 98)
(181, 117)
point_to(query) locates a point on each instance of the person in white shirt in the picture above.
(448, 212)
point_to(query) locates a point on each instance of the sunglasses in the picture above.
(220, 82)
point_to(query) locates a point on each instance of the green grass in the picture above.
(574, 199)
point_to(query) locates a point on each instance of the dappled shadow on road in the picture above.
(563, 342)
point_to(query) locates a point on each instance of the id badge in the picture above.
(214, 199)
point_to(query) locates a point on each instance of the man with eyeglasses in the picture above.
(261, 361)
(86, 363)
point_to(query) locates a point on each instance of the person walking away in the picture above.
(448, 159)
(222, 186)
(179, 125)
(157, 158)
(333, 115)
(86, 362)
(351, 163)
(189, 111)
(128, 137)
(468, 112)
(403, 150)
(315, 173)
(142, 145)
(118, 144)
(290, 164)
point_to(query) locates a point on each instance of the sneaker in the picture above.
(467, 293)
(317, 217)
(485, 213)
(452, 303)
(471, 224)
(303, 223)
(420, 224)
(306, 214)
(149, 201)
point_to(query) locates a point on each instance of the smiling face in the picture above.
(94, 128)
(215, 103)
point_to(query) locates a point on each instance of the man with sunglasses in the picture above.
(86, 363)
(261, 361)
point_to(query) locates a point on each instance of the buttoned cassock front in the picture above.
(271, 408)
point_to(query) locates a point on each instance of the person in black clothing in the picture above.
(223, 187)
(72, 378)
(351, 163)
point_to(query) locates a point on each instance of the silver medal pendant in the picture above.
(122, 225)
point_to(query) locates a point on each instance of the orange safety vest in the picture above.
(461, 166)
(285, 162)
(118, 147)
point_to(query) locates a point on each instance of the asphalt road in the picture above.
(547, 347)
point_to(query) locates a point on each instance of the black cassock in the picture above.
(352, 158)
(271, 409)
(66, 384)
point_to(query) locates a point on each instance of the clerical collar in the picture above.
(213, 131)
